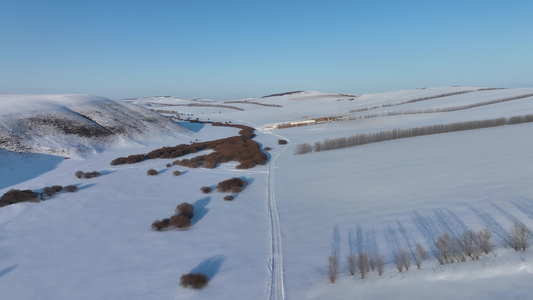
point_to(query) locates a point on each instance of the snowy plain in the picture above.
(97, 243)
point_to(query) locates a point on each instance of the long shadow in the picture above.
(510, 216)
(210, 266)
(429, 230)
(7, 270)
(193, 126)
(336, 243)
(200, 209)
(494, 226)
(106, 172)
(248, 180)
(84, 186)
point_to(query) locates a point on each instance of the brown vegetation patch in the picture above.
(234, 185)
(237, 148)
(15, 196)
(194, 280)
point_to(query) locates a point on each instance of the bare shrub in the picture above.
(180, 221)
(176, 173)
(303, 148)
(56, 188)
(373, 261)
(519, 236)
(228, 198)
(485, 240)
(444, 249)
(333, 268)
(206, 189)
(471, 244)
(185, 209)
(48, 191)
(160, 224)
(151, 172)
(351, 265)
(194, 280)
(71, 188)
(91, 174)
(362, 264)
(420, 255)
(231, 185)
(168, 165)
(79, 174)
(402, 260)
(14, 196)
(282, 142)
(406, 259)
(267, 148)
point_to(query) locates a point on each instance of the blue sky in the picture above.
(237, 49)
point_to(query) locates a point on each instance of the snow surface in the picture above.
(273, 240)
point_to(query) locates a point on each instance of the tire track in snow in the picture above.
(276, 283)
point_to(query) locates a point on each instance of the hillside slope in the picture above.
(68, 124)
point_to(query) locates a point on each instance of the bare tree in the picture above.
(484, 238)
(362, 263)
(352, 263)
(380, 264)
(420, 255)
(373, 261)
(333, 268)
(519, 236)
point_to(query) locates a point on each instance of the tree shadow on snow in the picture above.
(210, 266)
(200, 209)
(7, 270)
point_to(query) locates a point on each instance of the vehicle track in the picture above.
(276, 283)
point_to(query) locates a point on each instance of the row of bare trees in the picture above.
(368, 138)
(471, 245)
(443, 109)
(421, 99)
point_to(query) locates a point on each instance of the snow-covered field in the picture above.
(273, 240)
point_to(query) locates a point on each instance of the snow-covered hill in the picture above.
(68, 124)
(273, 240)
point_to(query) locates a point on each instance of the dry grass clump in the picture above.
(194, 280)
(206, 189)
(228, 198)
(234, 185)
(282, 142)
(151, 172)
(176, 173)
(14, 196)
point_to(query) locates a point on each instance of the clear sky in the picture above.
(236, 49)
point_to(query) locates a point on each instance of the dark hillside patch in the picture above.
(282, 94)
